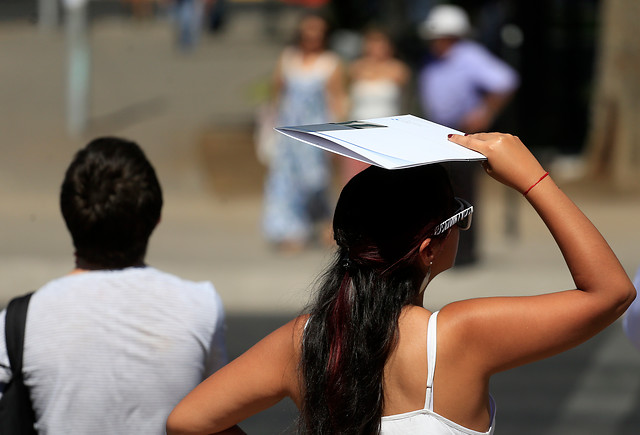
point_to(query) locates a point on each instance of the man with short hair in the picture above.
(112, 347)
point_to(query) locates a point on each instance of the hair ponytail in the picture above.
(353, 323)
(346, 345)
(338, 320)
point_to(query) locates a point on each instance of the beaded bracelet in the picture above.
(535, 184)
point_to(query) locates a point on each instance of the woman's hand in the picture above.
(508, 160)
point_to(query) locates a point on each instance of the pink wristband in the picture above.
(535, 184)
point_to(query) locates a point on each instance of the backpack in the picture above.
(16, 412)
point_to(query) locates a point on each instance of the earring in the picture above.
(425, 281)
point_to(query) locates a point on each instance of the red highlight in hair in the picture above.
(338, 325)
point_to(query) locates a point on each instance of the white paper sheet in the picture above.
(392, 143)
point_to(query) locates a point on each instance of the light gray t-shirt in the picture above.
(112, 352)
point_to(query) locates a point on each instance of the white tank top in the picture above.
(425, 421)
(375, 98)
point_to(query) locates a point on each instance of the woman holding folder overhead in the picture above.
(368, 358)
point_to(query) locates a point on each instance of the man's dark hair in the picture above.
(111, 201)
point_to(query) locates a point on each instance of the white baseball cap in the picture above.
(444, 21)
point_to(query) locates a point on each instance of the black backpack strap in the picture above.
(16, 411)
(14, 327)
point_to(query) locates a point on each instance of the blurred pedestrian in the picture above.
(463, 86)
(631, 321)
(113, 346)
(308, 89)
(189, 21)
(367, 358)
(377, 83)
(216, 15)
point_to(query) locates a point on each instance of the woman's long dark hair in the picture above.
(381, 219)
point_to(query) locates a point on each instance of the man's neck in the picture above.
(83, 265)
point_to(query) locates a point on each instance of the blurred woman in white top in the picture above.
(378, 82)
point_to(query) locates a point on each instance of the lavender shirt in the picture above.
(452, 86)
(631, 320)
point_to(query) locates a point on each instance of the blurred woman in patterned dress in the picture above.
(309, 89)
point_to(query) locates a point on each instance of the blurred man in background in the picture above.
(464, 86)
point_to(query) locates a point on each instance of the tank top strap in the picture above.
(431, 359)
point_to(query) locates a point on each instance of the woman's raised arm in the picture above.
(502, 333)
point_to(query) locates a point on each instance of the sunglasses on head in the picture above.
(462, 218)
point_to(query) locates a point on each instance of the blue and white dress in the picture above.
(297, 186)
